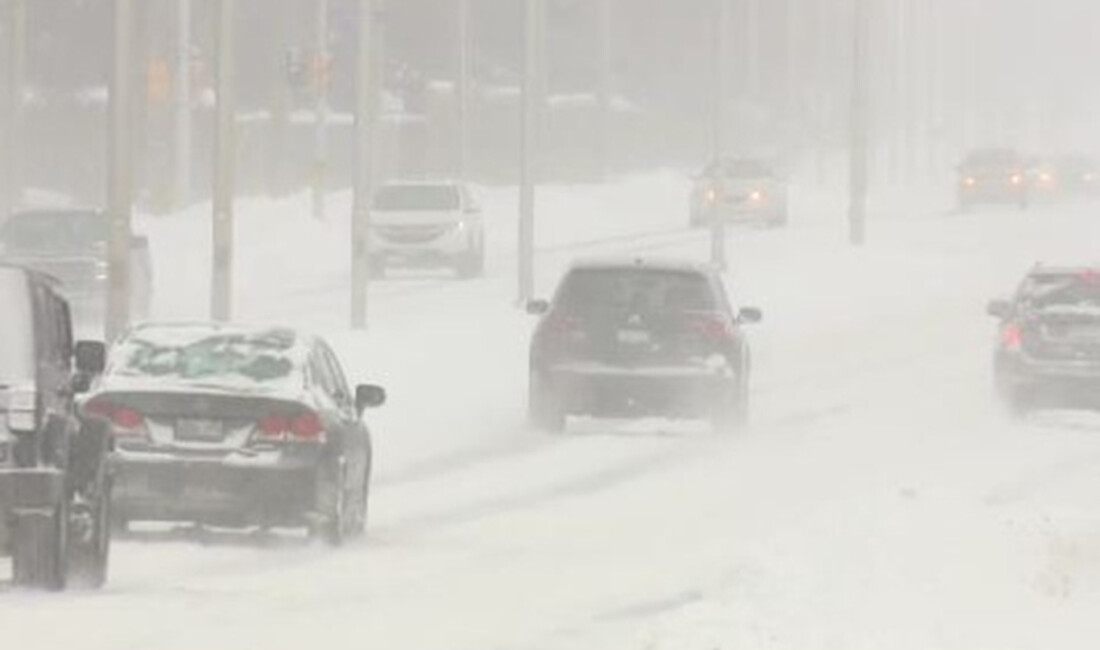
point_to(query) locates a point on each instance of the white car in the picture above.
(739, 191)
(421, 224)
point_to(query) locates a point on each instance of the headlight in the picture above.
(757, 196)
(970, 181)
(1046, 177)
(711, 195)
(101, 271)
(1016, 179)
(1088, 178)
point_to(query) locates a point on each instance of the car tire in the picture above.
(362, 508)
(544, 408)
(89, 558)
(731, 411)
(334, 526)
(39, 554)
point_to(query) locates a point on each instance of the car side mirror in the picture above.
(368, 396)
(91, 357)
(538, 307)
(999, 308)
(749, 315)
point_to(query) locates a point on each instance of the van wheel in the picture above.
(90, 542)
(38, 549)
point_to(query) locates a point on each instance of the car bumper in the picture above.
(216, 491)
(679, 391)
(1071, 382)
(441, 250)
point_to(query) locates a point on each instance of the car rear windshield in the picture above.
(635, 291)
(60, 230)
(202, 355)
(752, 169)
(1068, 294)
(417, 197)
(16, 330)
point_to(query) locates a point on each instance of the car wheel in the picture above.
(90, 541)
(334, 524)
(39, 551)
(544, 408)
(362, 506)
(731, 410)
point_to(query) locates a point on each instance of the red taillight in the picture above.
(1012, 337)
(306, 427)
(273, 427)
(124, 420)
(713, 327)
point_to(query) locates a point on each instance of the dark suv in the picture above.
(1048, 347)
(54, 469)
(71, 244)
(639, 338)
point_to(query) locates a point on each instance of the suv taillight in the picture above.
(1012, 337)
(713, 327)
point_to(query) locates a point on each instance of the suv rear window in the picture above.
(16, 329)
(60, 230)
(635, 290)
(1068, 293)
(417, 197)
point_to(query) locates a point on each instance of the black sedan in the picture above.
(235, 426)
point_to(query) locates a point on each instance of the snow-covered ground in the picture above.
(879, 500)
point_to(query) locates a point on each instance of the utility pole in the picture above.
(11, 187)
(322, 69)
(465, 64)
(857, 164)
(606, 21)
(221, 294)
(364, 162)
(720, 112)
(529, 119)
(119, 188)
(183, 103)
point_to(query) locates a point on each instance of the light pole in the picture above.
(463, 89)
(857, 163)
(364, 163)
(221, 294)
(719, 114)
(12, 152)
(529, 119)
(119, 188)
(183, 103)
(321, 71)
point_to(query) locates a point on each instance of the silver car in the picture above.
(421, 224)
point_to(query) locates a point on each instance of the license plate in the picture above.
(634, 337)
(200, 430)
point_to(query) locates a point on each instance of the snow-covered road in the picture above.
(879, 500)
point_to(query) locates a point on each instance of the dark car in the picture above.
(55, 484)
(993, 176)
(71, 244)
(739, 190)
(639, 338)
(1048, 347)
(237, 427)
